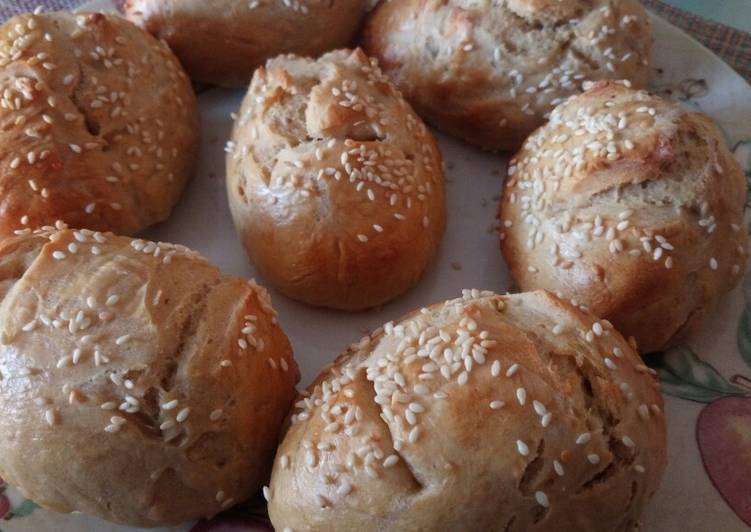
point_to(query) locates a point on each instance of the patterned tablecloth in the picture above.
(707, 382)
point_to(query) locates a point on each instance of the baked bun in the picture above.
(632, 206)
(492, 413)
(137, 383)
(223, 41)
(335, 185)
(98, 124)
(490, 72)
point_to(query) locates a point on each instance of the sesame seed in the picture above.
(542, 499)
(50, 416)
(713, 263)
(558, 467)
(122, 339)
(495, 368)
(521, 395)
(496, 405)
(628, 442)
(170, 405)
(344, 489)
(390, 461)
(583, 438)
(593, 458)
(182, 415)
(512, 370)
(58, 255)
(522, 448)
(167, 425)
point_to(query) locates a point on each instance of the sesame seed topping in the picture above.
(522, 448)
(521, 396)
(170, 405)
(390, 461)
(50, 416)
(542, 499)
(593, 458)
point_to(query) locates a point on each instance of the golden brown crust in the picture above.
(630, 205)
(335, 185)
(82, 139)
(496, 413)
(490, 72)
(223, 41)
(137, 383)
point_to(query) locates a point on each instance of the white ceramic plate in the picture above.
(470, 258)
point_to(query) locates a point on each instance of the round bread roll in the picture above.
(632, 206)
(223, 41)
(137, 383)
(490, 72)
(99, 124)
(335, 185)
(493, 413)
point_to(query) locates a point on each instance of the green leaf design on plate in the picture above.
(27, 507)
(742, 153)
(744, 335)
(685, 375)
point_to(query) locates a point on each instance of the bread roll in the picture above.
(223, 41)
(490, 72)
(632, 206)
(98, 124)
(493, 413)
(137, 383)
(335, 185)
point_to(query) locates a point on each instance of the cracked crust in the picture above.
(82, 141)
(335, 185)
(491, 71)
(137, 383)
(223, 42)
(630, 205)
(494, 413)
